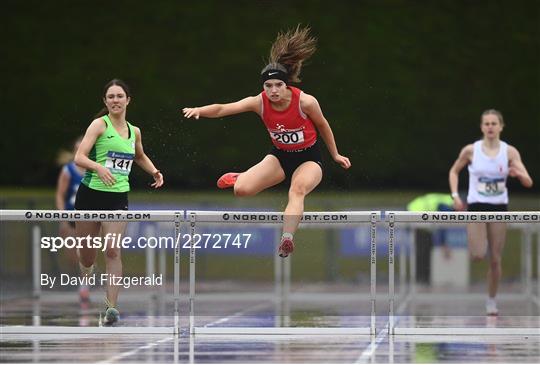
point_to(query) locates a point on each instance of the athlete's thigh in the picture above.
(263, 175)
(306, 177)
(113, 227)
(477, 237)
(65, 229)
(496, 234)
(86, 228)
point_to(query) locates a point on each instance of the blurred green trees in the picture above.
(403, 83)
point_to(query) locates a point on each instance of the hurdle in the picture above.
(527, 232)
(174, 217)
(309, 218)
(181, 218)
(453, 218)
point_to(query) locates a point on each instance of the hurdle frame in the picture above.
(527, 231)
(173, 216)
(224, 217)
(179, 217)
(445, 218)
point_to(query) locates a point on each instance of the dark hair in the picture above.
(290, 50)
(117, 82)
(494, 112)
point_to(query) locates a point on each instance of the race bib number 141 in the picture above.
(119, 162)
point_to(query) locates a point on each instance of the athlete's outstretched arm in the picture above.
(249, 104)
(463, 159)
(517, 168)
(311, 107)
(144, 161)
(96, 129)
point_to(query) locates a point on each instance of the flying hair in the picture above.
(290, 50)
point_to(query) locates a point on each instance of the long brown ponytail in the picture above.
(290, 50)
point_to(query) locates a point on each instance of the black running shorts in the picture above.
(290, 160)
(486, 207)
(90, 199)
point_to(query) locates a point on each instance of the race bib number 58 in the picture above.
(490, 186)
(119, 163)
(289, 137)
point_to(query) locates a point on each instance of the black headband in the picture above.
(275, 74)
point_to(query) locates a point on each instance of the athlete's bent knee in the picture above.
(298, 190)
(240, 190)
(495, 262)
(112, 254)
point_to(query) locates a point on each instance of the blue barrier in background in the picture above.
(209, 239)
(356, 241)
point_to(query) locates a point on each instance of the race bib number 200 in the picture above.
(490, 186)
(119, 162)
(288, 137)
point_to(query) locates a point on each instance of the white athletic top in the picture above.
(487, 176)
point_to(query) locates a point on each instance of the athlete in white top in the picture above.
(487, 176)
(490, 162)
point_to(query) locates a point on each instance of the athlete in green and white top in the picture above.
(107, 152)
(115, 153)
(111, 145)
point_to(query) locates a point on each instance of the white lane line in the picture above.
(134, 351)
(170, 338)
(239, 313)
(372, 347)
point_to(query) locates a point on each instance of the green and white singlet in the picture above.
(114, 152)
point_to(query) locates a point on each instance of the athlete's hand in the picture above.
(191, 113)
(106, 176)
(515, 172)
(342, 161)
(458, 204)
(158, 179)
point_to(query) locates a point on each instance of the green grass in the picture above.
(274, 198)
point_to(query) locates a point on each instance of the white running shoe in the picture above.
(491, 307)
(86, 271)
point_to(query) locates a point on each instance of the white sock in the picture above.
(86, 270)
(286, 235)
(491, 300)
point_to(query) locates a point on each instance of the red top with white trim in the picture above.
(289, 129)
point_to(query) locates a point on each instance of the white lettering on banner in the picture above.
(306, 217)
(84, 216)
(488, 217)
